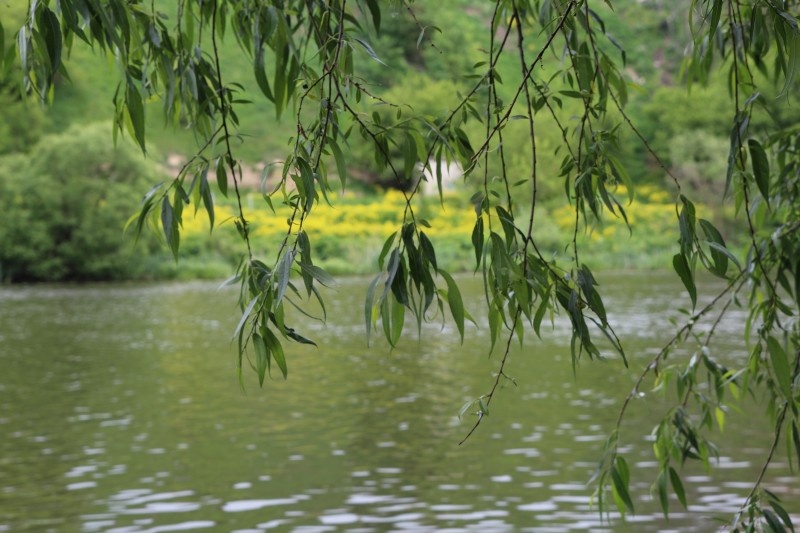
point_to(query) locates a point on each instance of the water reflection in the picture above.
(120, 411)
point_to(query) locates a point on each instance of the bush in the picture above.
(64, 207)
(22, 122)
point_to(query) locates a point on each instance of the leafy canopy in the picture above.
(306, 57)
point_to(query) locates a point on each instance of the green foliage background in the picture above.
(63, 206)
(426, 74)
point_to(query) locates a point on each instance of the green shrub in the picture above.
(64, 206)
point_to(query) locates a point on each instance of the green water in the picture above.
(120, 411)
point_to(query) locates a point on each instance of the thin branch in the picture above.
(228, 151)
(500, 374)
(525, 80)
(680, 334)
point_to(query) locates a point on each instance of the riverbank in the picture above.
(346, 238)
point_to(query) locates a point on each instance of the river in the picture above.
(120, 411)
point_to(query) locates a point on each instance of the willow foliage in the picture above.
(304, 57)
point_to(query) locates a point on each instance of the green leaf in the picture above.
(307, 175)
(494, 325)
(427, 249)
(318, 274)
(773, 521)
(621, 491)
(262, 357)
(169, 222)
(50, 29)
(455, 302)
(685, 273)
(391, 271)
(276, 350)
(760, 167)
(133, 102)
(23, 42)
(484, 407)
(663, 497)
(540, 312)
(166, 219)
(281, 49)
(719, 414)
(716, 11)
(385, 250)
(466, 407)
(222, 176)
(386, 318)
(398, 319)
(208, 199)
(624, 471)
(477, 241)
(369, 50)
(292, 334)
(284, 271)
(781, 512)
(375, 11)
(369, 303)
(719, 253)
(341, 167)
(260, 74)
(245, 316)
(780, 366)
(677, 486)
(686, 222)
(796, 440)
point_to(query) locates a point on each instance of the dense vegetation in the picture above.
(544, 113)
(426, 76)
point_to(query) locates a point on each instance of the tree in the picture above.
(306, 55)
(62, 210)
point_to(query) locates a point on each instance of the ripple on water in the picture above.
(82, 485)
(538, 506)
(368, 499)
(182, 526)
(238, 506)
(405, 517)
(337, 519)
(164, 507)
(272, 524)
(474, 515)
(140, 496)
(449, 507)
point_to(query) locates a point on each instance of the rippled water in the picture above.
(120, 410)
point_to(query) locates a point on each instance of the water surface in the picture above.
(120, 411)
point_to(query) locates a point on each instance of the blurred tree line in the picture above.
(423, 64)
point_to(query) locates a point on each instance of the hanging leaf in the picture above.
(364, 44)
(685, 273)
(677, 486)
(133, 102)
(341, 166)
(760, 168)
(284, 272)
(262, 357)
(375, 11)
(780, 366)
(222, 176)
(477, 241)
(455, 302)
(50, 29)
(276, 350)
